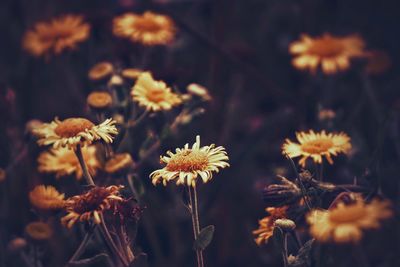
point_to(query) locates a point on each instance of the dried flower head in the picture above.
(285, 224)
(147, 29)
(101, 71)
(119, 163)
(332, 53)
(38, 231)
(316, 146)
(99, 100)
(153, 95)
(186, 164)
(63, 161)
(267, 224)
(275, 195)
(128, 210)
(91, 205)
(75, 131)
(345, 223)
(45, 197)
(55, 36)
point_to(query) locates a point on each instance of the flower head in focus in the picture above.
(316, 146)
(153, 95)
(63, 161)
(148, 29)
(75, 131)
(332, 53)
(55, 36)
(91, 205)
(345, 223)
(267, 224)
(45, 197)
(186, 164)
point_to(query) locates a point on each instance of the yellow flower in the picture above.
(75, 131)
(316, 146)
(63, 161)
(38, 231)
(186, 164)
(147, 29)
(101, 70)
(344, 223)
(99, 100)
(119, 163)
(55, 36)
(267, 224)
(46, 198)
(153, 95)
(131, 73)
(332, 53)
(91, 205)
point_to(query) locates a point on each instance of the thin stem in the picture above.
(138, 119)
(86, 174)
(35, 256)
(82, 246)
(284, 252)
(195, 222)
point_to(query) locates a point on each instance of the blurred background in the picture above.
(238, 50)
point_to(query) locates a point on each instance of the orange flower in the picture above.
(332, 53)
(267, 224)
(55, 36)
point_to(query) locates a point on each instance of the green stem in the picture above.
(86, 174)
(195, 221)
(284, 252)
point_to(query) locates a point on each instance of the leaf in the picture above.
(204, 238)
(101, 259)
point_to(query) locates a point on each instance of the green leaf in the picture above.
(204, 238)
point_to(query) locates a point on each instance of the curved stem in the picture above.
(86, 174)
(195, 222)
(82, 246)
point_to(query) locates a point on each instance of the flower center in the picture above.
(91, 201)
(99, 99)
(146, 25)
(156, 95)
(326, 47)
(317, 146)
(71, 127)
(188, 161)
(348, 213)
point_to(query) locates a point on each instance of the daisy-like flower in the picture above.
(99, 100)
(75, 131)
(332, 53)
(267, 224)
(153, 95)
(57, 35)
(63, 162)
(317, 145)
(91, 205)
(100, 71)
(345, 223)
(46, 198)
(147, 29)
(186, 164)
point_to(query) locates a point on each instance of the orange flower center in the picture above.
(156, 95)
(326, 47)
(144, 24)
(347, 214)
(188, 161)
(317, 146)
(56, 34)
(99, 100)
(71, 127)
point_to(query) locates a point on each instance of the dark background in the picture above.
(239, 50)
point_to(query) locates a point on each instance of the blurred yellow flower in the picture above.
(153, 95)
(344, 223)
(267, 224)
(147, 29)
(75, 131)
(38, 231)
(57, 35)
(316, 146)
(46, 198)
(101, 70)
(119, 163)
(131, 73)
(186, 164)
(99, 100)
(63, 161)
(332, 53)
(91, 205)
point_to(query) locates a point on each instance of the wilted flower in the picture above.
(75, 131)
(56, 36)
(332, 53)
(267, 224)
(63, 161)
(316, 146)
(153, 95)
(38, 231)
(275, 195)
(119, 163)
(186, 164)
(101, 71)
(128, 210)
(46, 198)
(99, 100)
(147, 29)
(345, 223)
(90, 205)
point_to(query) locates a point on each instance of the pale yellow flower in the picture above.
(75, 131)
(186, 164)
(46, 198)
(153, 95)
(317, 145)
(57, 35)
(63, 161)
(332, 53)
(147, 29)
